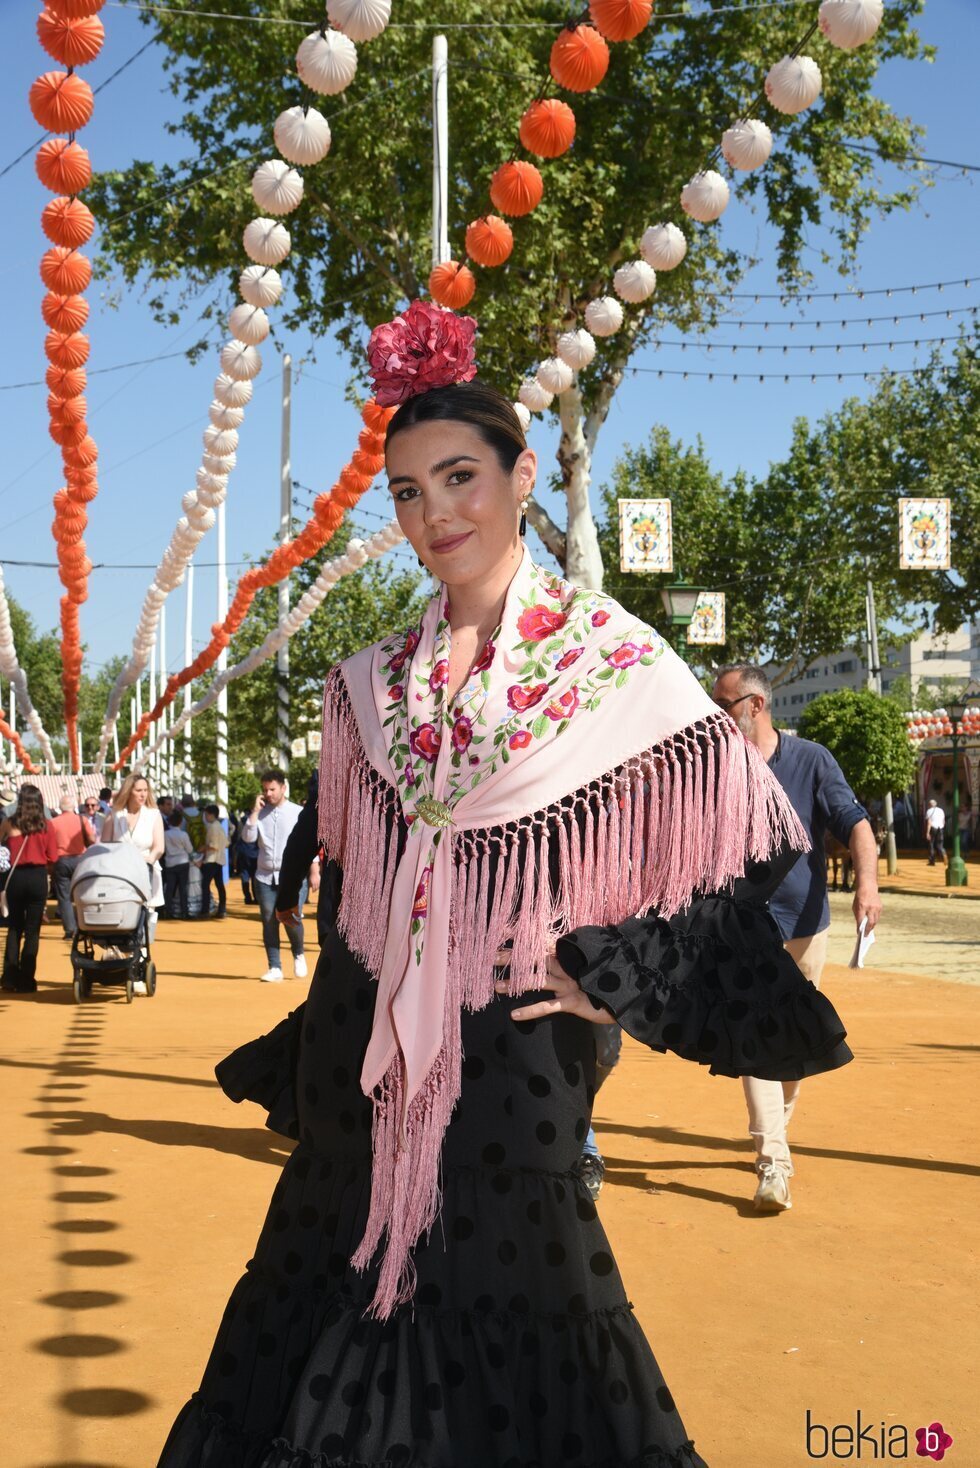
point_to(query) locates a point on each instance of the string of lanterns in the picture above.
(792, 84)
(329, 509)
(882, 372)
(358, 553)
(326, 63)
(62, 103)
(11, 669)
(709, 346)
(934, 723)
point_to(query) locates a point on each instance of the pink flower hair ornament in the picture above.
(425, 347)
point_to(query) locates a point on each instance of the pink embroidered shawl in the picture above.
(571, 693)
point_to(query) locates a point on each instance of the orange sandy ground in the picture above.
(133, 1194)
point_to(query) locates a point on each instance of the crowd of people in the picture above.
(188, 850)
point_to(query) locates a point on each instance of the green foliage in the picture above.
(867, 737)
(361, 239)
(792, 552)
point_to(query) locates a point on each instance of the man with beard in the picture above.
(823, 800)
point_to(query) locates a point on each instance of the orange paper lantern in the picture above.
(73, 42)
(67, 350)
(75, 9)
(579, 58)
(83, 456)
(67, 221)
(548, 128)
(489, 241)
(516, 188)
(66, 382)
(66, 272)
(82, 491)
(68, 435)
(376, 418)
(61, 101)
(64, 313)
(621, 20)
(67, 410)
(63, 167)
(452, 284)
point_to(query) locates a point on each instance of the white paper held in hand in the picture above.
(865, 938)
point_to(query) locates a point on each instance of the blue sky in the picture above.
(148, 421)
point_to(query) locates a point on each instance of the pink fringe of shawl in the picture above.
(679, 818)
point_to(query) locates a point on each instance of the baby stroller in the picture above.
(110, 892)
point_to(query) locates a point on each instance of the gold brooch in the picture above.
(434, 812)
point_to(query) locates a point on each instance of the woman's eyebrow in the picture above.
(439, 468)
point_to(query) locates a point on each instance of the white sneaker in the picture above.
(299, 967)
(272, 976)
(772, 1194)
(139, 986)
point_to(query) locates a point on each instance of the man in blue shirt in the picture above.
(824, 801)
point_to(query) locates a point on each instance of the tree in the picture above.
(39, 655)
(824, 518)
(868, 738)
(362, 608)
(361, 240)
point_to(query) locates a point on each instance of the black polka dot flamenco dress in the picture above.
(520, 1348)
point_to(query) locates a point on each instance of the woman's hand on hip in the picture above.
(569, 996)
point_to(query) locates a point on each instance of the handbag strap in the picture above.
(13, 864)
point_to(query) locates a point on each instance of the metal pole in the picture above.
(221, 792)
(874, 672)
(161, 685)
(188, 659)
(285, 525)
(115, 741)
(139, 715)
(440, 150)
(151, 700)
(956, 875)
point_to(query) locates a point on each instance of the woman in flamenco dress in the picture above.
(534, 821)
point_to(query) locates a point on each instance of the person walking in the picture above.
(301, 869)
(33, 848)
(823, 800)
(936, 833)
(73, 832)
(213, 864)
(432, 1284)
(270, 822)
(134, 817)
(179, 850)
(246, 860)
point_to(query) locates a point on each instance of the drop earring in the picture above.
(522, 527)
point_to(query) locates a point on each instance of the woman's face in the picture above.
(458, 507)
(138, 794)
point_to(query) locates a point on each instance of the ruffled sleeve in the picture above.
(264, 1071)
(713, 984)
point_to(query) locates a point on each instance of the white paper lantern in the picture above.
(523, 415)
(240, 361)
(222, 466)
(277, 188)
(663, 246)
(635, 281)
(211, 483)
(362, 20)
(534, 396)
(604, 316)
(849, 23)
(747, 144)
(302, 135)
(706, 196)
(260, 285)
(212, 498)
(326, 62)
(249, 324)
(793, 83)
(554, 375)
(577, 348)
(220, 442)
(233, 394)
(204, 518)
(190, 502)
(266, 241)
(223, 417)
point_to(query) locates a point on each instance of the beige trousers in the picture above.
(771, 1103)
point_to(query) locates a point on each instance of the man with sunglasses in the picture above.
(823, 800)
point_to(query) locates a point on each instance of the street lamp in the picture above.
(956, 875)
(680, 599)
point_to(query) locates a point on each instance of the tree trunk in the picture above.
(583, 561)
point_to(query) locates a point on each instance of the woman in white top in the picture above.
(134, 817)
